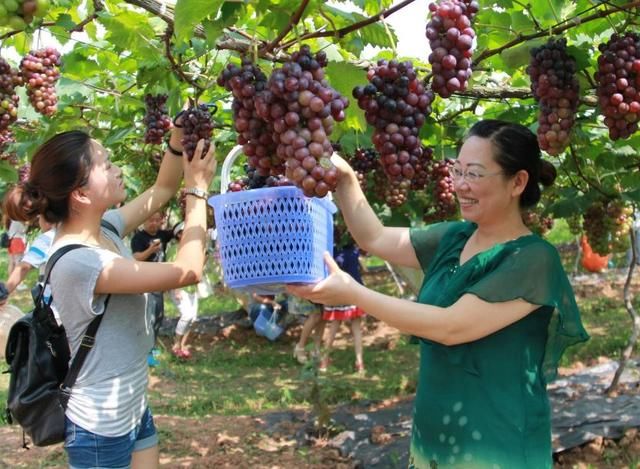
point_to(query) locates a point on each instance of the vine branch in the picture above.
(554, 30)
(589, 182)
(174, 65)
(635, 319)
(295, 18)
(340, 33)
(98, 6)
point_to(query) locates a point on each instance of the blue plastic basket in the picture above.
(272, 236)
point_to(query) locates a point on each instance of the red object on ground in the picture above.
(590, 260)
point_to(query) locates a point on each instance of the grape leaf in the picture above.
(189, 13)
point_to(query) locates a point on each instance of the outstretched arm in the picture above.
(123, 275)
(389, 243)
(469, 319)
(158, 195)
(17, 275)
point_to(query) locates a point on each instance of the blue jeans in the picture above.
(87, 450)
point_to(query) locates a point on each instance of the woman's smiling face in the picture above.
(482, 189)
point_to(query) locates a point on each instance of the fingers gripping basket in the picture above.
(271, 236)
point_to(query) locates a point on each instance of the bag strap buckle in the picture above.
(88, 341)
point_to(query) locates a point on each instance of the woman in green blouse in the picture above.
(494, 313)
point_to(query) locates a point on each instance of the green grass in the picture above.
(239, 379)
(609, 325)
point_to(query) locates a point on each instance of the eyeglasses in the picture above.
(469, 175)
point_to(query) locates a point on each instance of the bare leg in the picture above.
(311, 322)
(185, 338)
(177, 342)
(146, 459)
(328, 343)
(318, 333)
(356, 330)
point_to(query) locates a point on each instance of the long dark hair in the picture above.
(515, 149)
(58, 167)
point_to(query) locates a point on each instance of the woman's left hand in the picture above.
(338, 288)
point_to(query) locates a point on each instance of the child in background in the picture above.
(187, 305)
(313, 325)
(347, 258)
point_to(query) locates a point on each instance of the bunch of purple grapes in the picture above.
(303, 108)
(255, 134)
(446, 207)
(156, 119)
(40, 73)
(253, 180)
(196, 123)
(396, 104)
(23, 172)
(9, 79)
(555, 87)
(364, 162)
(536, 222)
(618, 78)
(451, 38)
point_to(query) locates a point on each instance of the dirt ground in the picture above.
(232, 442)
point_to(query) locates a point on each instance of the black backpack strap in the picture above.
(88, 340)
(89, 337)
(52, 261)
(109, 226)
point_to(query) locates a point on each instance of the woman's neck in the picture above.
(500, 231)
(84, 229)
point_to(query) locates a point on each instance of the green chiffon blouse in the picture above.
(483, 404)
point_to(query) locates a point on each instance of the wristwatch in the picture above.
(197, 192)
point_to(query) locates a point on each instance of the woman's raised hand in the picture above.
(338, 288)
(200, 170)
(344, 170)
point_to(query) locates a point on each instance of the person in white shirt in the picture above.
(35, 257)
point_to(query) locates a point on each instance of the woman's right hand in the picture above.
(200, 170)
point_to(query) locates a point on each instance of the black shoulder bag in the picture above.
(38, 357)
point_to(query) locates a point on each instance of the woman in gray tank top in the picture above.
(73, 183)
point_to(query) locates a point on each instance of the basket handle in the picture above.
(225, 172)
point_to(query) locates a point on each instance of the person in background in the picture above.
(313, 326)
(187, 305)
(262, 302)
(35, 257)
(347, 257)
(494, 314)
(17, 242)
(74, 184)
(149, 244)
